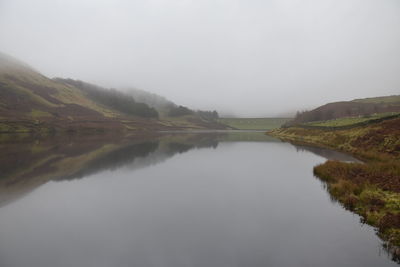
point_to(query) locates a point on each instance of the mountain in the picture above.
(354, 108)
(31, 102)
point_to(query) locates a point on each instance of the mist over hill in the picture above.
(160, 103)
(9, 63)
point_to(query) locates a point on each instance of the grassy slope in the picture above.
(371, 189)
(254, 123)
(45, 92)
(355, 109)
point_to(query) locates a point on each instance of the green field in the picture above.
(351, 120)
(254, 123)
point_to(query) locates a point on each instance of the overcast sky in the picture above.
(244, 57)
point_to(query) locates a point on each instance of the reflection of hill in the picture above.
(27, 164)
(115, 159)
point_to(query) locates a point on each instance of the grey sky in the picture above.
(248, 57)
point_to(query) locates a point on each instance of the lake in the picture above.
(171, 200)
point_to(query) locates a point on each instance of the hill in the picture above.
(31, 102)
(355, 108)
(147, 105)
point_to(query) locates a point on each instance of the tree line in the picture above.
(177, 111)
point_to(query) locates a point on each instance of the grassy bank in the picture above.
(370, 189)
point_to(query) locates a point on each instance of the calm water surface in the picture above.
(180, 200)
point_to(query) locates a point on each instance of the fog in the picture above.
(247, 58)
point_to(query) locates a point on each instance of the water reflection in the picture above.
(243, 199)
(115, 159)
(28, 163)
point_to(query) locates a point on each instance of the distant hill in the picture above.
(354, 108)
